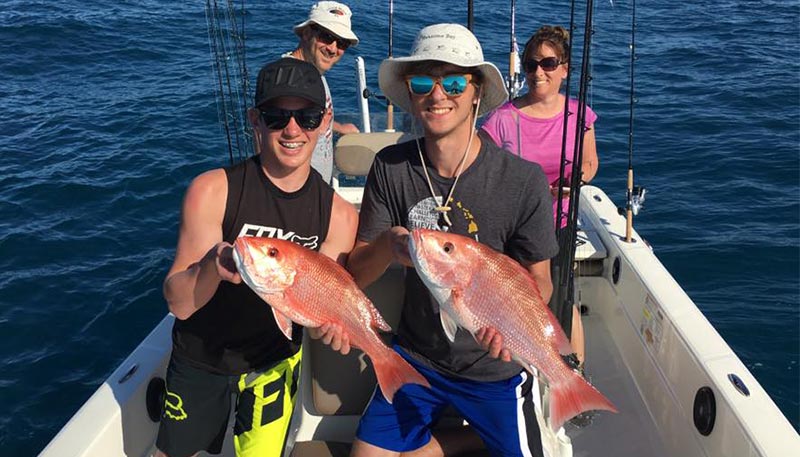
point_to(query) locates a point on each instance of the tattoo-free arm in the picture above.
(369, 260)
(590, 162)
(202, 260)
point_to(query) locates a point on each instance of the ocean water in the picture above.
(107, 110)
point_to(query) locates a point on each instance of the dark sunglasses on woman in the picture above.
(326, 38)
(547, 64)
(277, 118)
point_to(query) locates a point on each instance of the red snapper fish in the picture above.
(478, 287)
(311, 289)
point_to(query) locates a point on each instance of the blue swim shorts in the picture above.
(502, 412)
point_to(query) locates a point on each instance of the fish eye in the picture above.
(448, 247)
(272, 252)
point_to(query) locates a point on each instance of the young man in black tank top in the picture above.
(225, 340)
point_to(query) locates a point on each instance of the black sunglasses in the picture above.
(327, 38)
(547, 64)
(307, 118)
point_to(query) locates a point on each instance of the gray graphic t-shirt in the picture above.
(500, 200)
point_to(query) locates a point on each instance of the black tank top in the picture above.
(235, 332)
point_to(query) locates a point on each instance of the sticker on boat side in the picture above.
(652, 324)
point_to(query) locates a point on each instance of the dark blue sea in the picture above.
(107, 110)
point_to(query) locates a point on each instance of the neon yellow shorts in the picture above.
(198, 404)
(264, 410)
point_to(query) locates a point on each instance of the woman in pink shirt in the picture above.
(532, 126)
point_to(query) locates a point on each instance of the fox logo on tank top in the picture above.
(310, 242)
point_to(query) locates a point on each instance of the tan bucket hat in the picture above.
(332, 16)
(448, 43)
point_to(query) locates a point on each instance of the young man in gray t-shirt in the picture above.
(451, 179)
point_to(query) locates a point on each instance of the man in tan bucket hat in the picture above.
(324, 37)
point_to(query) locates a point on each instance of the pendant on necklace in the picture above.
(443, 210)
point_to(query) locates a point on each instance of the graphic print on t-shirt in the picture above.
(310, 242)
(424, 215)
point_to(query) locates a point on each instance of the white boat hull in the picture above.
(649, 349)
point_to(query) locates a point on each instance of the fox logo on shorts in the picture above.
(174, 410)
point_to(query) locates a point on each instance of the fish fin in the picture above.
(284, 323)
(572, 397)
(448, 324)
(377, 320)
(392, 372)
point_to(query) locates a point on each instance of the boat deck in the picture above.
(631, 432)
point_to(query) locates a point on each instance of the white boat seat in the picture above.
(355, 151)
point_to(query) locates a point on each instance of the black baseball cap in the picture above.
(289, 77)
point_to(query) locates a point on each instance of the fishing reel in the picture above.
(514, 84)
(636, 197)
(636, 200)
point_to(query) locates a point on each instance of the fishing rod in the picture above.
(218, 88)
(563, 294)
(513, 57)
(634, 194)
(561, 300)
(226, 42)
(568, 273)
(389, 106)
(580, 129)
(562, 167)
(470, 16)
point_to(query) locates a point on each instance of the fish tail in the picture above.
(393, 372)
(572, 397)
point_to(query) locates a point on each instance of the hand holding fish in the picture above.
(333, 335)
(398, 241)
(223, 259)
(492, 341)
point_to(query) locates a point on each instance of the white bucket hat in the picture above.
(332, 16)
(448, 43)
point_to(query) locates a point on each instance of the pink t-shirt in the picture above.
(537, 140)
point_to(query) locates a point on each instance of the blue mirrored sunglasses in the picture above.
(452, 85)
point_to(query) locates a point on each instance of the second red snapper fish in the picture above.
(311, 289)
(478, 287)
